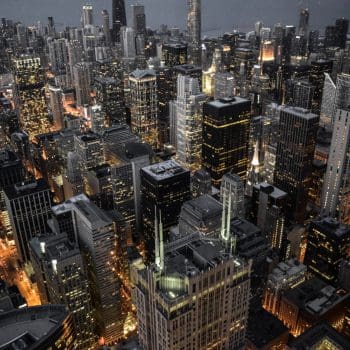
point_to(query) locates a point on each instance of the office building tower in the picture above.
(118, 18)
(342, 96)
(268, 213)
(328, 242)
(41, 327)
(106, 29)
(193, 271)
(98, 119)
(110, 95)
(128, 42)
(286, 275)
(89, 149)
(194, 29)
(200, 183)
(96, 234)
(58, 55)
(87, 16)
(174, 54)
(224, 85)
(30, 95)
(202, 214)
(295, 152)
(314, 41)
(138, 19)
(232, 189)
(317, 77)
(267, 51)
(189, 114)
(165, 187)
(299, 93)
(304, 22)
(327, 105)
(29, 206)
(225, 137)
(341, 32)
(22, 36)
(250, 244)
(336, 184)
(56, 105)
(311, 302)
(144, 105)
(61, 277)
(81, 79)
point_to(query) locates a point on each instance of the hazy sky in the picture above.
(218, 15)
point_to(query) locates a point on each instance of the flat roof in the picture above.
(204, 207)
(300, 112)
(29, 325)
(228, 101)
(25, 188)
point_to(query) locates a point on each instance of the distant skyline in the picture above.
(218, 16)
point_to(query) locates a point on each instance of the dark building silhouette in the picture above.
(118, 18)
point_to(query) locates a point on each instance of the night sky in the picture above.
(218, 15)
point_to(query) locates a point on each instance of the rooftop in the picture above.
(285, 270)
(318, 335)
(300, 112)
(204, 207)
(227, 101)
(164, 170)
(25, 188)
(142, 74)
(315, 296)
(272, 191)
(21, 329)
(332, 227)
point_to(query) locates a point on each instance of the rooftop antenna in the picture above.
(156, 238)
(161, 245)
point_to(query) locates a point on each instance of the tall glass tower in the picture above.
(118, 18)
(194, 28)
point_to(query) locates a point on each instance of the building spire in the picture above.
(156, 238)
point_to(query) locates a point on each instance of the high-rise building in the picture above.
(87, 15)
(202, 214)
(299, 93)
(96, 235)
(106, 29)
(336, 184)
(225, 137)
(127, 37)
(268, 212)
(189, 116)
(165, 187)
(118, 18)
(138, 19)
(56, 105)
(144, 105)
(30, 95)
(304, 22)
(110, 95)
(98, 119)
(174, 54)
(232, 189)
(81, 79)
(61, 277)
(327, 244)
(194, 28)
(29, 206)
(327, 105)
(295, 152)
(341, 32)
(193, 272)
(58, 55)
(200, 183)
(42, 327)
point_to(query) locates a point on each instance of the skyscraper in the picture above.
(194, 28)
(30, 95)
(144, 105)
(195, 272)
(304, 22)
(336, 184)
(295, 152)
(189, 109)
(341, 31)
(328, 99)
(106, 29)
(118, 18)
(81, 78)
(56, 104)
(174, 54)
(29, 207)
(225, 137)
(61, 277)
(327, 244)
(87, 15)
(164, 187)
(138, 19)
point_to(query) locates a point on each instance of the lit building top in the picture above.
(272, 191)
(286, 270)
(227, 102)
(139, 74)
(164, 170)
